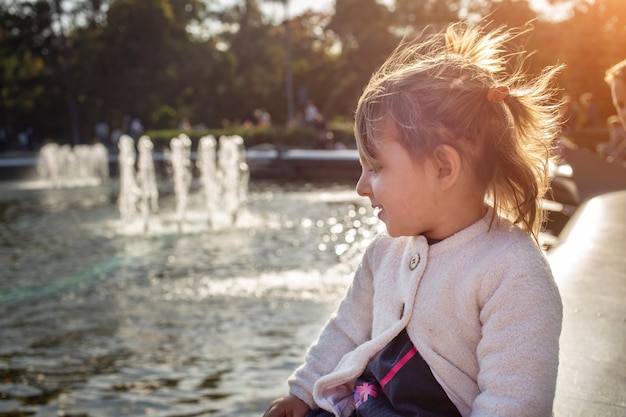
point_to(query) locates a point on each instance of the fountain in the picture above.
(224, 178)
(129, 190)
(180, 159)
(233, 175)
(146, 181)
(102, 316)
(207, 155)
(66, 166)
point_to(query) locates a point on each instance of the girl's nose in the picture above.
(362, 185)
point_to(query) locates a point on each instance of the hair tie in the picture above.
(497, 94)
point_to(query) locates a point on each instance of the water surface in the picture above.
(100, 318)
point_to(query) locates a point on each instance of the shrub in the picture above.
(299, 136)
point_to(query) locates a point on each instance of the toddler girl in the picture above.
(454, 311)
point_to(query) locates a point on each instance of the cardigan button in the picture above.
(415, 260)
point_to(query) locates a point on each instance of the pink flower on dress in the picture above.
(364, 392)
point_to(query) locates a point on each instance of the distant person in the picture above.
(266, 118)
(115, 137)
(615, 77)
(101, 131)
(136, 128)
(454, 311)
(23, 139)
(185, 126)
(262, 117)
(614, 150)
(310, 113)
(591, 117)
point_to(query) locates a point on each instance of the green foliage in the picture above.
(29, 89)
(412, 16)
(300, 136)
(363, 28)
(168, 60)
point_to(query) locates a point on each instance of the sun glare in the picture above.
(554, 12)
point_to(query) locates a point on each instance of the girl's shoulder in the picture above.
(508, 254)
(497, 243)
(495, 234)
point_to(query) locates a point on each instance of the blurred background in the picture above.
(75, 70)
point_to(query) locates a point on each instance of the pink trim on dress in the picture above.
(397, 366)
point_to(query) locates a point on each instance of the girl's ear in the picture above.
(448, 162)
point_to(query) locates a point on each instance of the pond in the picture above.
(99, 318)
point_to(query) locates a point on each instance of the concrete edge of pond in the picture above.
(589, 266)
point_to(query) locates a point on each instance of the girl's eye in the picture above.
(370, 168)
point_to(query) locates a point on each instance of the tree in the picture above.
(362, 30)
(134, 66)
(257, 51)
(314, 63)
(412, 16)
(29, 81)
(142, 58)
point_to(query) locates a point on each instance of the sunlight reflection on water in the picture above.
(103, 319)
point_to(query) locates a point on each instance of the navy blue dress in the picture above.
(398, 383)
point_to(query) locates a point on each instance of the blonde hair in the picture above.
(452, 88)
(616, 72)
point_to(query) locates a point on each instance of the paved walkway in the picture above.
(590, 269)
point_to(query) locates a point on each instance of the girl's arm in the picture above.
(519, 350)
(348, 327)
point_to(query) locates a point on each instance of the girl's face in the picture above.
(401, 189)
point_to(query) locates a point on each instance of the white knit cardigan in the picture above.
(481, 307)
